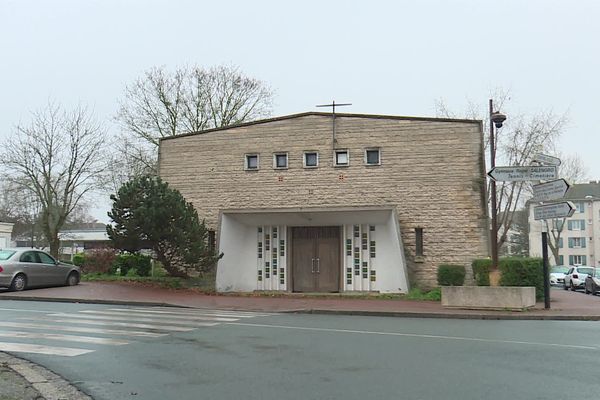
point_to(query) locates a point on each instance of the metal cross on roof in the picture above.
(333, 105)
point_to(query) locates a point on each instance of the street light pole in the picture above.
(496, 121)
(494, 235)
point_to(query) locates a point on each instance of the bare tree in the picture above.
(163, 103)
(56, 159)
(23, 210)
(517, 142)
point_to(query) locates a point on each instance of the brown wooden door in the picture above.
(316, 259)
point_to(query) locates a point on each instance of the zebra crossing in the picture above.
(85, 331)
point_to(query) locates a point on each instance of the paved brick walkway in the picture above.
(564, 305)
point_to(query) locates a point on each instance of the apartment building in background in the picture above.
(579, 243)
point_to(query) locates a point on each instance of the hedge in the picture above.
(481, 271)
(78, 259)
(518, 271)
(140, 263)
(451, 275)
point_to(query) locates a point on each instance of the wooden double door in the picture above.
(316, 258)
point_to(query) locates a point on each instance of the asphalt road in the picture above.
(189, 354)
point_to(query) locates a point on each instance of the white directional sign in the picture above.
(547, 160)
(528, 173)
(552, 190)
(555, 210)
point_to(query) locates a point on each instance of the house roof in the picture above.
(84, 235)
(581, 191)
(323, 114)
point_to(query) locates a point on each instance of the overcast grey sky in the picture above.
(385, 57)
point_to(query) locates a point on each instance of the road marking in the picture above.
(416, 335)
(49, 350)
(81, 329)
(24, 310)
(209, 310)
(137, 319)
(126, 324)
(69, 338)
(212, 313)
(152, 317)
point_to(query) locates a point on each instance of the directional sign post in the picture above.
(547, 160)
(552, 190)
(555, 210)
(528, 173)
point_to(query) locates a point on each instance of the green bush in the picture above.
(481, 271)
(132, 272)
(523, 272)
(451, 275)
(125, 262)
(79, 259)
(417, 294)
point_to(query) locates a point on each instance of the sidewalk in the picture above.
(565, 305)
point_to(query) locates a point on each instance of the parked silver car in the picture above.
(24, 268)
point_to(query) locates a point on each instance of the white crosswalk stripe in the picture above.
(38, 349)
(149, 316)
(69, 338)
(95, 327)
(50, 327)
(104, 322)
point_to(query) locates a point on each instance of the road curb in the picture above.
(524, 316)
(48, 384)
(92, 301)
(409, 314)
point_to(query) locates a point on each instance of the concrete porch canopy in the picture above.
(237, 270)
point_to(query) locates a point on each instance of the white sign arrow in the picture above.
(552, 190)
(527, 173)
(556, 210)
(547, 160)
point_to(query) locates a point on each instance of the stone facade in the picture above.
(432, 172)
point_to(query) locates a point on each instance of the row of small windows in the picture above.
(310, 159)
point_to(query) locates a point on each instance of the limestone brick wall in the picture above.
(431, 171)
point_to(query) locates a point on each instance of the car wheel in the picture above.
(573, 287)
(18, 283)
(565, 286)
(73, 279)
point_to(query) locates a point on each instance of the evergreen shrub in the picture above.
(523, 271)
(451, 275)
(481, 271)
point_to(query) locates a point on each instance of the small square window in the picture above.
(280, 160)
(342, 158)
(311, 159)
(372, 157)
(251, 161)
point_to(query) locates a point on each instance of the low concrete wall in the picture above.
(510, 297)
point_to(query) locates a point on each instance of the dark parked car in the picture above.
(592, 282)
(24, 268)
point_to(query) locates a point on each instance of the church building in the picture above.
(322, 202)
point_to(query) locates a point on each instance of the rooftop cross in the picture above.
(332, 105)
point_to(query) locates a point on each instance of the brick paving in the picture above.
(564, 305)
